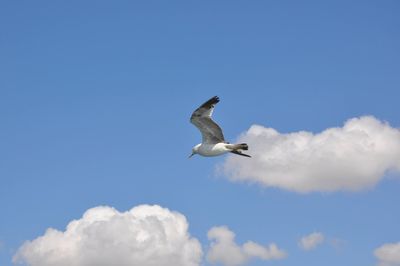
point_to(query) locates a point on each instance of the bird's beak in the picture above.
(190, 156)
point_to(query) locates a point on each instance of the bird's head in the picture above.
(195, 150)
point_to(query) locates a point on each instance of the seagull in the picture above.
(213, 143)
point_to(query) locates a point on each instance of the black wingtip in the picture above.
(213, 100)
(240, 153)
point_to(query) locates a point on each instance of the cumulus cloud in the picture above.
(311, 241)
(388, 254)
(145, 235)
(352, 157)
(224, 250)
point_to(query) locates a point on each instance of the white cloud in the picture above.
(311, 241)
(388, 254)
(145, 235)
(352, 157)
(224, 250)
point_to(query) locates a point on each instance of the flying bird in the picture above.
(213, 143)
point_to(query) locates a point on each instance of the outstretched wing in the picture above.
(201, 118)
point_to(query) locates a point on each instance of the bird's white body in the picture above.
(210, 150)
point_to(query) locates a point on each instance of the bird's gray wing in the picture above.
(201, 118)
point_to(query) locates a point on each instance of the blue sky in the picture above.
(95, 100)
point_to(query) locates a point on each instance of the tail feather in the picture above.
(241, 146)
(237, 149)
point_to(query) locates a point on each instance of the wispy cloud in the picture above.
(311, 241)
(145, 235)
(353, 157)
(225, 251)
(388, 254)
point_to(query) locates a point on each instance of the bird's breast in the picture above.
(212, 149)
